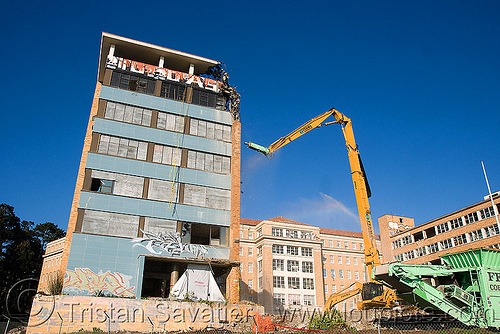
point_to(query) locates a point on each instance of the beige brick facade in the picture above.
(291, 265)
(471, 227)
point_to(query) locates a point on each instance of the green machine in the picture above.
(467, 287)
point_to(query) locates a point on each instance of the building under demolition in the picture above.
(157, 192)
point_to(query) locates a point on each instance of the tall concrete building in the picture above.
(287, 264)
(471, 227)
(159, 179)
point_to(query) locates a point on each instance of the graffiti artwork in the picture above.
(171, 243)
(85, 279)
(161, 73)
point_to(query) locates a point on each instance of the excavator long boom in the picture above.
(361, 188)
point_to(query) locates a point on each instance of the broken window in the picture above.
(204, 234)
(133, 82)
(102, 186)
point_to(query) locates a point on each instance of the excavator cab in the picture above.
(371, 290)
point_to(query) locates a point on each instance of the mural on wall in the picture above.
(161, 73)
(85, 279)
(169, 242)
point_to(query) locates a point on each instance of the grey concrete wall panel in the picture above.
(157, 171)
(207, 197)
(108, 223)
(148, 208)
(157, 136)
(161, 190)
(101, 254)
(162, 104)
(155, 225)
(125, 185)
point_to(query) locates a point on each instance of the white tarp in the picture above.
(197, 283)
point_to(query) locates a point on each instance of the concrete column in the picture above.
(111, 51)
(191, 69)
(162, 62)
(174, 275)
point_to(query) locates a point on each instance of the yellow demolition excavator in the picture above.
(373, 294)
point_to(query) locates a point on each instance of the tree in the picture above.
(22, 244)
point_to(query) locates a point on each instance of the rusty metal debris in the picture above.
(217, 72)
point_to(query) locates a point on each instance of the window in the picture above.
(293, 282)
(308, 300)
(293, 299)
(456, 223)
(330, 243)
(277, 232)
(460, 239)
(170, 122)
(341, 273)
(279, 299)
(338, 244)
(355, 261)
(241, 250)
(326, 288)
(292, 234)
(168, 155)
(349, 274)
(476, 235)
(278, 264)
(308, 283)
(122, 147)
(487, 212)
(356, 275)
(213, 198)
(250, 251)
(332, 260)
(491, 230)
(306, 251)
(259, 232)
(102, 186)
(346, 245)
(324, 272)
(202, 128)
(339, 259)
(361, 246)
(277, 249)
(250, 267)
(409, 255)
(208, 162)
(261, 285)
(441, 228)
(445, 244)
(354, 245)
(133, 82)
(127, 113)
(347, 260)
(278, 282)
(292, 265)
(307, 267)
(292, 250)
(334, 288)
(259, 250)
(433, 248)
(259, 266)
(250, 284)
(420, 251)
(250, 235)
(332, 273)
(471, 218)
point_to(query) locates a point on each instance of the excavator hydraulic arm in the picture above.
(361, 188)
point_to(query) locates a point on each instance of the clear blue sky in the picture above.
(419, 79)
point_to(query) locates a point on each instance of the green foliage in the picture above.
(22, 244)
(328, 320)
(55, 285)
